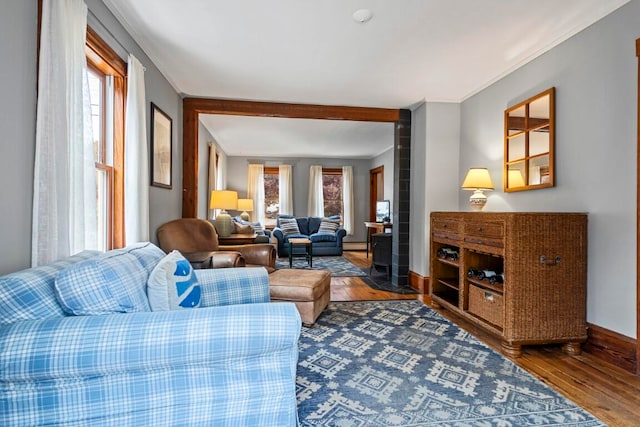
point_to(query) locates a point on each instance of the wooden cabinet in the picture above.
(538, 295)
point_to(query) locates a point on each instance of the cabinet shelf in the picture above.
(448, 299)
(449, 262)
(451, 283)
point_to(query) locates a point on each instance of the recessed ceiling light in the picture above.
(362, 15)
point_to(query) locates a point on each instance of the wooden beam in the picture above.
(296, 111)
(192, 107)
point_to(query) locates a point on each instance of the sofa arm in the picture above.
(227, 286)
(278, 234)
(340, 233)
(138, 368)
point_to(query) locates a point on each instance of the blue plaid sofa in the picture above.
(230, 362)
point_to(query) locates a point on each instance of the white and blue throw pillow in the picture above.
(289, 226)
(173, 285)
(329, 226)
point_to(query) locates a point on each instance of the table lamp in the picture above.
(245, 205)
(478, 180)
(224, 199)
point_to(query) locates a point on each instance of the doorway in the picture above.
(376, 189)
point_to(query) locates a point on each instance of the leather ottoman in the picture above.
(309, 289)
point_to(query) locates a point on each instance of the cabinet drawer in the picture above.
(486, 304)
(484, 233)
(446, 228)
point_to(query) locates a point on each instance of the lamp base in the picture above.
(224, 224)
(477, 200)
(245, 216)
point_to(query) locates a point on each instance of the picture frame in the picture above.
(161, 148)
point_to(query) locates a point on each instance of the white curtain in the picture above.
(212, 176)
(136, 157)
(347, 198)
(64, 193)
(221, 175)
(255, 190)
(315, 205)
(286, 191)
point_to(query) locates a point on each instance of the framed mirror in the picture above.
(529, 140)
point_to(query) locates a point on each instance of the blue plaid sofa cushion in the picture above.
(29, 294)
(113, 282)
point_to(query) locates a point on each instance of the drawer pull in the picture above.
(545, 261)
(488, 296)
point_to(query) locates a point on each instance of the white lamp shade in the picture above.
(477, 178)
(224, 199)
(245, 205)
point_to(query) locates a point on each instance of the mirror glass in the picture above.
(529, 143)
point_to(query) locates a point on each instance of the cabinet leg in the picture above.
(572, 348)
(511, 350)
(435, 304)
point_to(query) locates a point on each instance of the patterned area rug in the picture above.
(399, 363)
(337, 265)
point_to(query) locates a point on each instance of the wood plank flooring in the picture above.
(608, 392)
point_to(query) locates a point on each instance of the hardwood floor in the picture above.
(608, 392)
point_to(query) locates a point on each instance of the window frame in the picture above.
(102, 58)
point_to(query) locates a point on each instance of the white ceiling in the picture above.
(304, 51)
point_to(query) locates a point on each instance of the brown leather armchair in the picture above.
(197, 240)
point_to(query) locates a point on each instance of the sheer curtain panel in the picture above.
(212, 176)
(64, 193)
(315, 205)
(347, 198)
(255, 190)
(286, 192)
(136, 157)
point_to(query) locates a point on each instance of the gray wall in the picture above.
(237, 180)
(204, 139)
(18, 29)
(595, 75)
(435, 155)
(18, 34)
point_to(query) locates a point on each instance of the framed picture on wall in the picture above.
(161, 144)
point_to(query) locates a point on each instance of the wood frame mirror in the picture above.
(529, 143)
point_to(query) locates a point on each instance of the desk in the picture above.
(237, 239)
(378, 227)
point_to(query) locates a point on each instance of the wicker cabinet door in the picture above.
(546, 277)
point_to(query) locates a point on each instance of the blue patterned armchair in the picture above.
(230, 362)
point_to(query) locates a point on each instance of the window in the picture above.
(332, 191)
(100, 96)
(271, 192)
(106, 77)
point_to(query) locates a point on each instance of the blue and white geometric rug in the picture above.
(399, 363)
(339, 266)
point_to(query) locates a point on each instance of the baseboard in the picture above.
(419, 283)
(354, 246)
(612, 347)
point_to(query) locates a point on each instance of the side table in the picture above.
(308, 253)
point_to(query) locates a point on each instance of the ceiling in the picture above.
(303, 51)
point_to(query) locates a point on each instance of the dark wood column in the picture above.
(401, 198)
